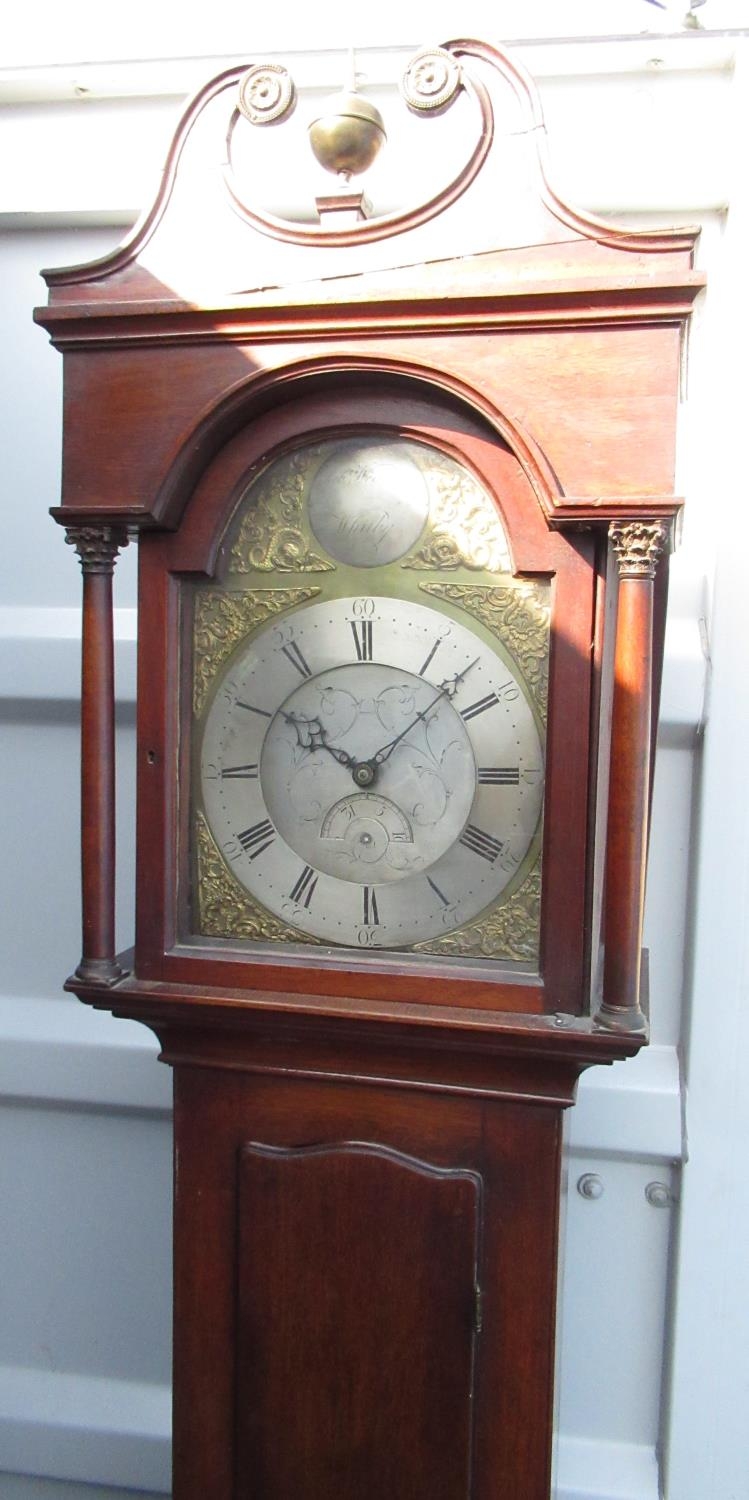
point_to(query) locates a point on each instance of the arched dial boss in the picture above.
(372, 772)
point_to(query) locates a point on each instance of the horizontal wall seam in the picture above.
(62, 1425)
(97, 1430)
(40, 662)
(630, 1110)
(572, 59)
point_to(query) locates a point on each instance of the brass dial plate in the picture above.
(368, 740)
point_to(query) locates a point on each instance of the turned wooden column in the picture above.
(97, 548)
(637, 546)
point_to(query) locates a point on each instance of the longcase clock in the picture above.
(401, 478)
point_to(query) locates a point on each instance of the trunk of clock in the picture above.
(365, 1288)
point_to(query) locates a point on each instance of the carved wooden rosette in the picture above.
(431, 80)
(97, 548)
(637, 546)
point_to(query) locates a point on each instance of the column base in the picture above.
(100, 971)
(622, 1018)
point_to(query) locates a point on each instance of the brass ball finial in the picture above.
(349, 133)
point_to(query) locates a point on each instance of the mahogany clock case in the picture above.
(172, 565)
(368, 1147)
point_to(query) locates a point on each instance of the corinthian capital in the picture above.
(97, 546)
(638, 546)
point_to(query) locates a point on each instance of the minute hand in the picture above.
(386, 750)
(447, 690)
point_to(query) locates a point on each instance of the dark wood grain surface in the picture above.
(357, 1305)
(268, 1261)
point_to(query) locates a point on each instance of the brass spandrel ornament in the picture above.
(274, 535)
(510, 931)
(223, 620)
(464, 527)
(367, 503)
(517, 612)
(225, 909)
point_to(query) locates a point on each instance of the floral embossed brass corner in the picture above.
(273, 534)
(464, 527)
(226, 909)
(516, 611)
(510, 930)
(223, 620)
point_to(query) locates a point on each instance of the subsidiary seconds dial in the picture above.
(372, 772)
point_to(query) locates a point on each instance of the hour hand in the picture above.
(311, 736)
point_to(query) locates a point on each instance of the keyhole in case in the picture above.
(151, 757)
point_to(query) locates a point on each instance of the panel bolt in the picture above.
(590, 1185)
(659, 1195)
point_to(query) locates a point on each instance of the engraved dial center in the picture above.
(399, 741)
